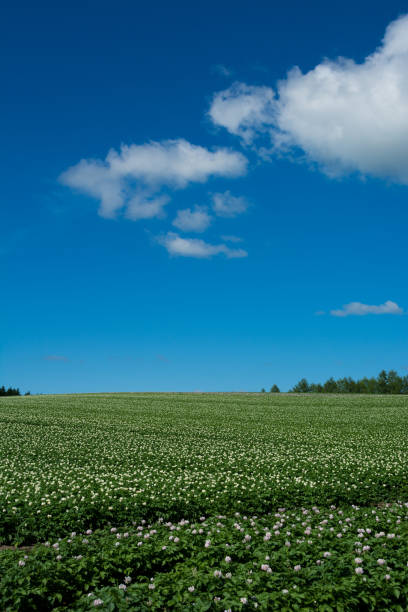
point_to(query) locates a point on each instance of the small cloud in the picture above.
(232, 239)
(359, 309)
(320, 313)
(227, 205)
(222, 70)
(244, 110)
(194, 247)
(197, 220)
(55, 358)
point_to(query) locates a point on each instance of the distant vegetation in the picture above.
(9, 391)
(385, 383)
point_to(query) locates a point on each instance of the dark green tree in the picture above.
(382, 382)
(394, 382)
(301, 387)
(330, 386)
(275, 389)
(404, 384)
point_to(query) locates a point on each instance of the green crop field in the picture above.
(204, 502)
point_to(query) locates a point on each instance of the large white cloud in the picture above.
(346, 116)
(357, 308)
(134, 176)
(194, 247)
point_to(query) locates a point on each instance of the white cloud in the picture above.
(140, 206)
(227, 205)
(194, 247)
(345, 116)
(357, 308)
(197, 220)
(244, 110)
(134, 176)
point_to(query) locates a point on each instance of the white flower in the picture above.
(21, 563)
(359, 570)
(227, 559)
(381, 561)
(191, 589)
(97, 602)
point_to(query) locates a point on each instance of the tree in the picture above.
(330, 386)
(404, 385)
(263, 390)
(315, 388)
(9, 391)
(275, 389)
(301, 387)
(382, 382)
(394, 382)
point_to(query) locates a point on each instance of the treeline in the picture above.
(10, 391)
(385, 383)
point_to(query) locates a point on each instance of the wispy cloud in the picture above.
(359, 309)
(222, 70)
(55, 358)
(227, 205)
(231, 238)
(196, 220)
(344, 116)
(133, 178)
(194, 247)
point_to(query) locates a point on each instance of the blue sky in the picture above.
(234, 222)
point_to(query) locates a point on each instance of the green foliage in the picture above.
(279, 561)
(275, 389)
(385, 383)
(301, 387)
(10, 391)
(127, 489)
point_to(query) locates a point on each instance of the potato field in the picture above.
(221, 502)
